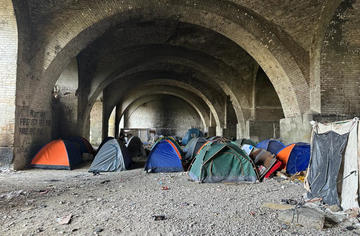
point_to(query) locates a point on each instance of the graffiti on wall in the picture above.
(34, 122)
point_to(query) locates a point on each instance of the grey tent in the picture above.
(192, 148)
(112, 156)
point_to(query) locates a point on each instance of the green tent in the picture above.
(242, 141)
(223, 162)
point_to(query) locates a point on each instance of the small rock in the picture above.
(98, 230)
(285, 226)
(159, 217)
(334, 208)
(64, 220)
(350, 228)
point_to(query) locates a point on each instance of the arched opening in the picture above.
(267, 109)
(165, 114)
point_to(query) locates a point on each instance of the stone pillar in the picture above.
(111, 123)
(211, 131)
(8, 70)
(219, 131)
(117, 120)
(96, 123)
(242, 131)
(296, 129)
(65, 106)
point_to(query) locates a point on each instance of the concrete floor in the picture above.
(32, 201)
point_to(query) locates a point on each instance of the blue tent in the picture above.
(271, 145)
(191, 133)
(164, 157)
(295, 157)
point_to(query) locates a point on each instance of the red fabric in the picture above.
(275, 167)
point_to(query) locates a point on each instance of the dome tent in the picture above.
(135, 147)
(271, 145)
(103, 142)
(223, 162)
(112, 156)
(243, 141)
(58, 154)
(295, 157)
(191, 133)
(165, 156)
(192, 148)
(85, 146)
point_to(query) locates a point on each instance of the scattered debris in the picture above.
(252, 213)
(350, 228)
(285, 226)
(44, 191)
(13, 194)
(159, 217)
(64, 220)
(98, 230)
(289, 201)
(281, 175)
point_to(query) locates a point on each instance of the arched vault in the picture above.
(236, 23)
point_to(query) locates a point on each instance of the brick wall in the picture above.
(340, 62)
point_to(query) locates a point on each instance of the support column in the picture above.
(8, 70)
(96, 123)
(117, 120)
(111, 123)
(296, 129)
(241, 131)
(219, 131)
(211, 131)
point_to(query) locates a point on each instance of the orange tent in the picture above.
(295, 157)
(58, 154)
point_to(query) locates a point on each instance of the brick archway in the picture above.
(283, 71)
